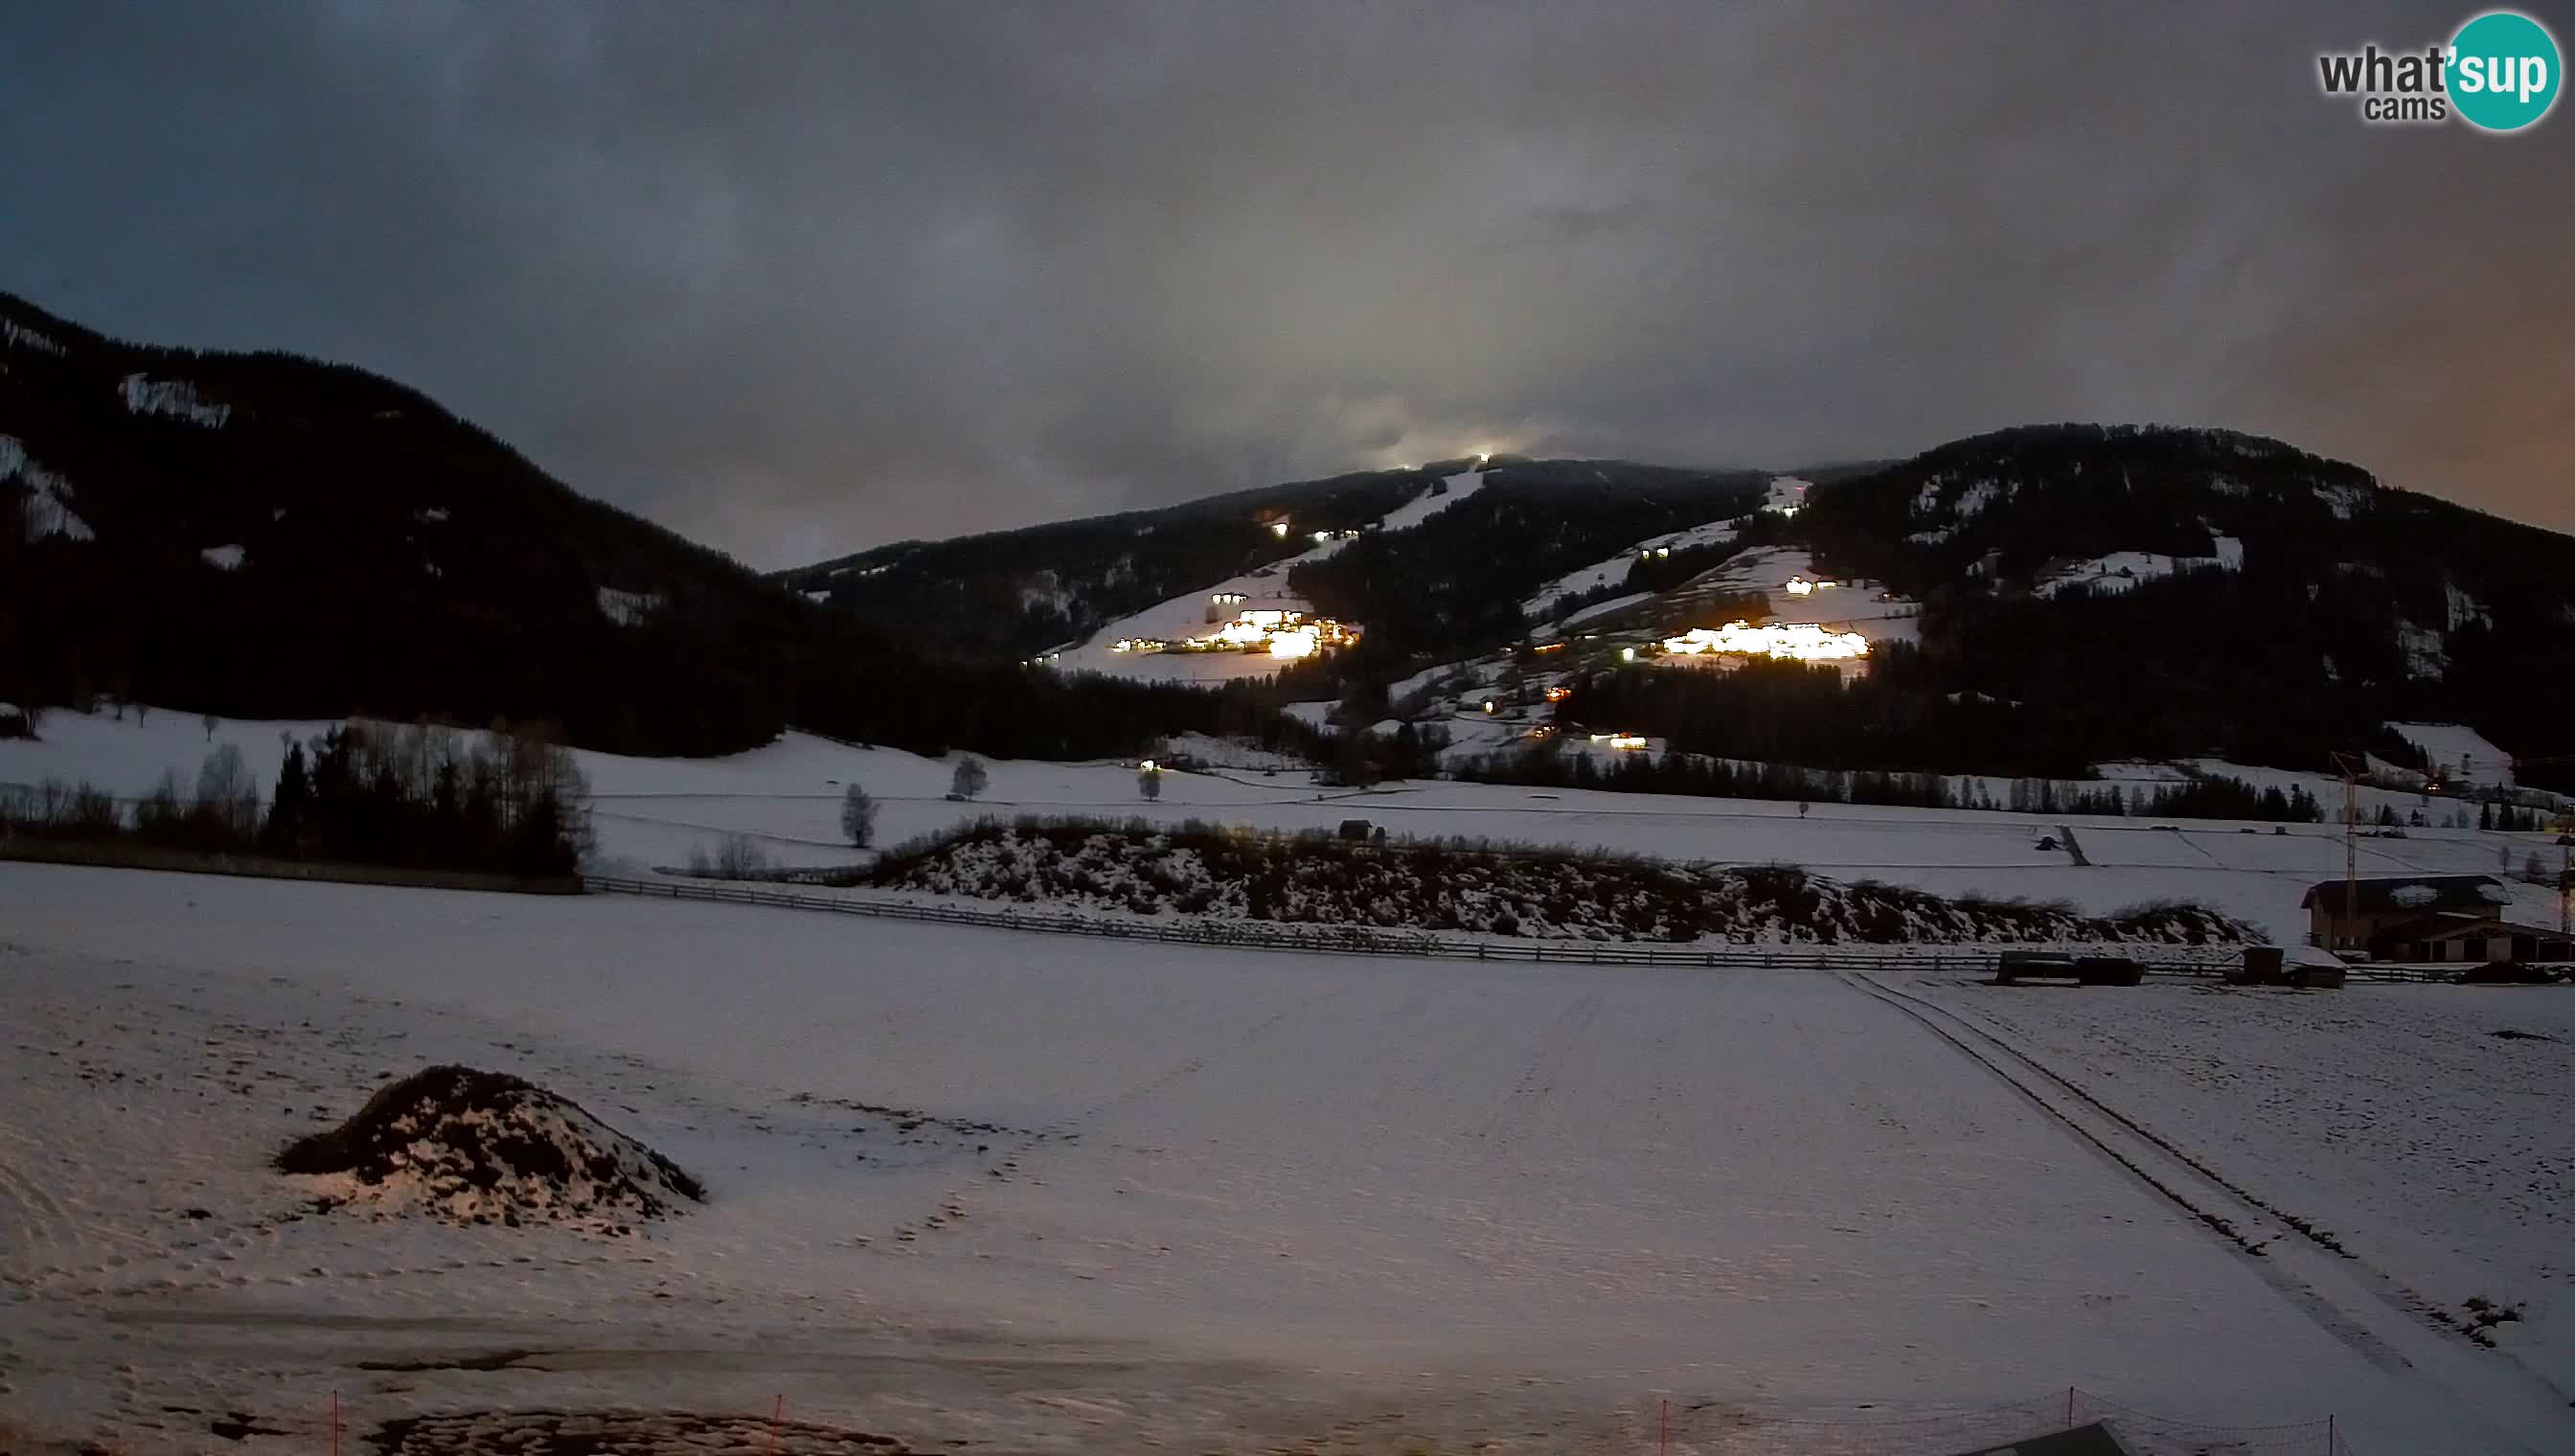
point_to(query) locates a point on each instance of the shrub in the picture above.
(735, 856)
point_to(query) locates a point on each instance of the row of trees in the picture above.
(504, 802)
(1543, 763)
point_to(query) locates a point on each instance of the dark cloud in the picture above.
(798, 278)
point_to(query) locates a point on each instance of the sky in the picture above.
(798, 279)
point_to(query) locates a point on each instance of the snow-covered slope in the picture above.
(1186, 615)
(1461, 489)
(2459, 753)
(2121, 571)
(1543, 603)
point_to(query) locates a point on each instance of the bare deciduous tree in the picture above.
(226, 791)
(857, 817)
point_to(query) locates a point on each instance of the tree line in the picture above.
(1544, 763)
(507, 801)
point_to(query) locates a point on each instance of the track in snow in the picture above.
(2384, 1322)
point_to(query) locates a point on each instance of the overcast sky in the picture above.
(798, 279)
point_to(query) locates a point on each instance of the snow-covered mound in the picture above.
(1316, 878)
(474, 1146)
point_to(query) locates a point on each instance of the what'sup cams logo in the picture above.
(2500, 73)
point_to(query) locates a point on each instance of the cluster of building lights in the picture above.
(1283, 526)
(1278, 632)
(1801, 586)
(1802, 642)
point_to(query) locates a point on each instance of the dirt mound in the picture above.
(485, 1147)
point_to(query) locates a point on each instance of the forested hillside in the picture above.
(260, 534)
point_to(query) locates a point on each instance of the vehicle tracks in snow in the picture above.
(2378, 1317)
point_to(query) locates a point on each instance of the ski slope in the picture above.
(1225, 1201)
(1186, 614)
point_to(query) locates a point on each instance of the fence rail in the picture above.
(2204, 962)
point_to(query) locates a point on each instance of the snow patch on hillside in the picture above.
(18, 335)
(222, 557)
(1615, 569)
(2465, 610)
(2461, 753)
(49, 507)
(430, 515)
(1932, 538)
(627, 609)
(1412, 513)
(2345, 502)
(2121, 571)
(2427, 653)
(1186, 614)
(1974, 499)
(1603, 609)
(174, 398)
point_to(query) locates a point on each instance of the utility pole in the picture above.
(2565, 883)
(2350, 766)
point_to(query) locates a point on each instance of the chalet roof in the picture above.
(2480, 893)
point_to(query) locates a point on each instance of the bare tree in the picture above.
(212, 723)
(857, 817)
(737, 857)
(970, 780)
(226, 791)
(1148, 782)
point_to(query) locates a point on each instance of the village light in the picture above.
(1147, 767)
(1278, 528)
(1802, 642)
(1627, 655)
(1799, 586)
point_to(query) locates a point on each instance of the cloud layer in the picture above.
(798, 278)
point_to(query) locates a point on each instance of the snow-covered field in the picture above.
(2418, 1125)
(969, 1186)
(652, 811)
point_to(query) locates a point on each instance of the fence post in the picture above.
(2069, 1407)
(335, 1423)
(1663, 1436)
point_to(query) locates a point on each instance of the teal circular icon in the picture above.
(2502, 72)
